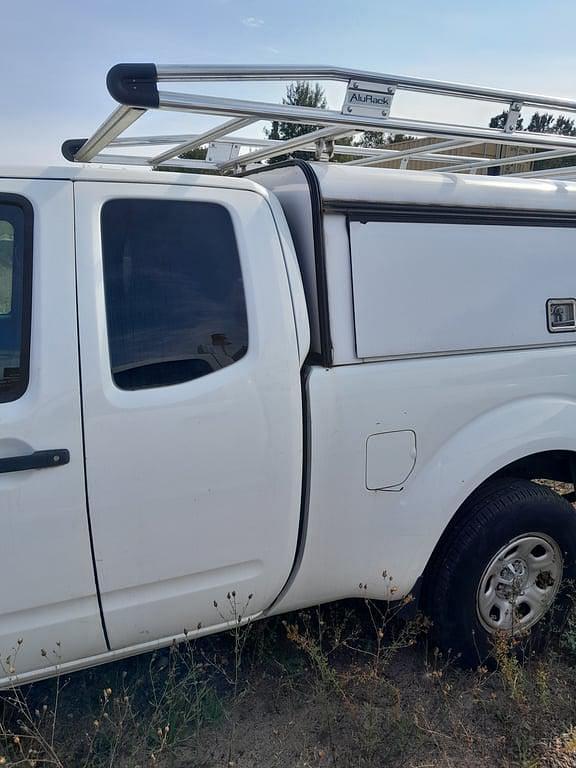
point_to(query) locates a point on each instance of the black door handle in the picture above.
(36, 460)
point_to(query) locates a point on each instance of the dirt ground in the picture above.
(350, 685)
(409, 708)
(416, 720)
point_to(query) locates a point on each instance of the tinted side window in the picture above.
(173, 286)
(16, 228)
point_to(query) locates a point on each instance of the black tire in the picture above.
(501, 510)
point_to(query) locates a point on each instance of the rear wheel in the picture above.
(501, 568)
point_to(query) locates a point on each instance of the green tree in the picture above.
(543, 123)
(199, 153)
(300, 94)
(379, 139)
(195, 154)
(499, 121)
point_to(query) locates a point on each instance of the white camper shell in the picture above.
(402, 255)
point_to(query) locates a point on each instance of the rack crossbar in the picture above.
(552, 173)
(122, 117)
(513, 160)
(417, 151)
(204, 138)
(251, 142)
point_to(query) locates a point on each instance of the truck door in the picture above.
(49, 610)
(192, 404)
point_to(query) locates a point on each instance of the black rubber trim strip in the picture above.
(37, 460)
(20, 385)
(83, 435)
(447, 214)
(305, 492)
(134, 85)
(326, 349)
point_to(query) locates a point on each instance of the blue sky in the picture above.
(55, 53)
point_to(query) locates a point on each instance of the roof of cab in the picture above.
(127, 174)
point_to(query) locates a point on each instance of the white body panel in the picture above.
(194, 489)
(291, 189)
(472, 414)
(48, 595)
(426, 288)
(339, 286)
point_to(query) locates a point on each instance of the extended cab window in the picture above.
(15, 295)
(175, 302)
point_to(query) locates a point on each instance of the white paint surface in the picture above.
(47, 591)
(425, 288)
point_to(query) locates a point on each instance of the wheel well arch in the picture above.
(557, 466)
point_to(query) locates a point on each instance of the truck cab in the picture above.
(152, 412)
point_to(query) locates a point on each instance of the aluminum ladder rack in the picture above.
(367, 106)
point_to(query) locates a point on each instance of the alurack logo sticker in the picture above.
(368, 98)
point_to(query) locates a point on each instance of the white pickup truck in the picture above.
(313, 382)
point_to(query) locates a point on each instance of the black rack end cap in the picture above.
(70, 148)
(134, 85)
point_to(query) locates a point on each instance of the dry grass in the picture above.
(351, 685)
